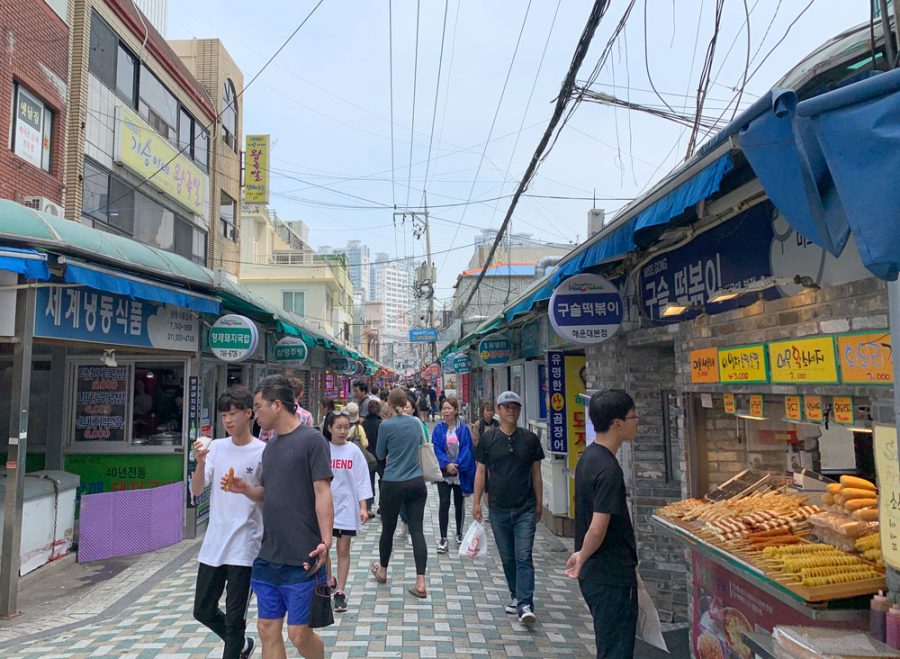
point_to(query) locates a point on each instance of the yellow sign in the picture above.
(812, 407)
(730, 404)
(756, 405)
(743, 364)
(256, 170)
(888, 470)
(843, 409)
(793, 409)
(142, 150)
(575, 419)
(810, 361)
(704, 365)
(866, 358)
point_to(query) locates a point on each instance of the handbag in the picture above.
(320, 613)
(371, 460)
(431, 468)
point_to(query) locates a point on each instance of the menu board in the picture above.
(704, 365)
(810, 361)
(101, 403)
(886, 466)
(866, 358)
(746, 481)
(743, 364)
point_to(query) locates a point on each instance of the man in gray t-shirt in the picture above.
(298, 520)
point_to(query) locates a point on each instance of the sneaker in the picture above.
(443, 546)
(526, 615)
(249, 646)
(340, 602)
(458, 539)
(512, 607)
(402, 530)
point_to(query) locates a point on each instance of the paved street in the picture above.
(463, 615)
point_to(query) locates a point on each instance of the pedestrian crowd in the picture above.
(278, 506)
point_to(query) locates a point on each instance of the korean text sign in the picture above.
(866, 358)
(704, 365)
(557, 426)
(575, 419)
(143, 151)
(809, 361)
(83, 314)
(256, 170)
(101, 398)
(888, 469)
(743, 364)
(586, 309)
(495, 349)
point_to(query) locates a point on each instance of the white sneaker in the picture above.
(513, 607)
(527, 616)
(443, 546)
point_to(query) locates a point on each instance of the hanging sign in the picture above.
(462, 363)
(556, 392)
(256, 169)
(360, 369)
(866, 358)
(495, 349)
(338, 364)
(291, 352)
(233, 338)
(586, 309)
(756, 405)
(704, 365)
(810, 361)
(843, 409)
(812, 407)
(743, 364)
(447, 364)
(888, 471)
(793, 408)
(730, 404)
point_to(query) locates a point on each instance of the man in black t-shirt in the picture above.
(605, 558)
(511, 458)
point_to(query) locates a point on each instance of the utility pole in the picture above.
(432, 275)
(425, 274)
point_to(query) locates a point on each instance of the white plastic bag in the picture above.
(649, 629)
(474, 544)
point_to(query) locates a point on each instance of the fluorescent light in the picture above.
(725, 295)
(675, 309)
(859, 429)
(742, 414)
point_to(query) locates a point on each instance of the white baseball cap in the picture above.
(508, 397)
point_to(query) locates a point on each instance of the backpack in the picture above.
(355, 438)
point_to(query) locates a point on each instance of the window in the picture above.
(201, 146)
(95, 192)
(193, 140)
(185, 133)
(32, 128)
(293, 301)
(157, 410)
(111, 61)
(158, 106)
(229, 116)
(153, 224)
(227, 213)
(121, 205)
(190, 241)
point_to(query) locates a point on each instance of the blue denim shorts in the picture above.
(291, 596)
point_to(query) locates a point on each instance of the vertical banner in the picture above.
(256, 170)
(888, 470)
(575, 419)
(556, 395)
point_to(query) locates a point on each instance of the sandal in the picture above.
(376, 571)
(421, 594)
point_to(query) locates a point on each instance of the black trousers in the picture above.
(444, 491)
(615, 611)
(231, 625)
(413, 494)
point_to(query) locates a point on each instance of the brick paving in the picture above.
(463, 615)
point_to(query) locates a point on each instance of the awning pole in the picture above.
(18, 445)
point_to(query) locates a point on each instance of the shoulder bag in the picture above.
(371, 460)
(431, 468)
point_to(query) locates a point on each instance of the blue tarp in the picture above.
(857, 129)
(627, 237)
(113, 282)
(29, 263)
(794, 173)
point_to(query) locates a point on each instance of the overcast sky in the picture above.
(326, 102)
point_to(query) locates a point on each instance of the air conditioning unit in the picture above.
(44, 205)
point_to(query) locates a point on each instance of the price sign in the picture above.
(756, 405)
(811, 361)
(793, 408)
(704, 365)
(866, 358)
(812, 407)
(101, 396)
(843, 409)
(743, 364)
(730, 404)
(888, 469)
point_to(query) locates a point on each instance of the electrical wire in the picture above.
(412, 128)
(437, 89)
(705, 77)
(391, 84)
(647, 63)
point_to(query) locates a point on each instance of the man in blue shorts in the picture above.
(298, 520)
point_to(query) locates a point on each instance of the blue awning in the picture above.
(629, 235)
(543, 293)
(795, 176)
(29, 263)
(113, 281)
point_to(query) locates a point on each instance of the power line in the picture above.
(412, 128)
(391, 69)
(562, 100)
(437, 89)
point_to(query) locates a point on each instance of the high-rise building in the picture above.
(359, 263)
(392, 285)
(156, 12)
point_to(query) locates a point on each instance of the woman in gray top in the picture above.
(399, 439)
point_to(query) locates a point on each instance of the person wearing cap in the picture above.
(508, 457)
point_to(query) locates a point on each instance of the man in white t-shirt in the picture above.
(235, 528)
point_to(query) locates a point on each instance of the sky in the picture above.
(464, 138)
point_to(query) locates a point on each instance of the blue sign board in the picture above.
(495, 349)
(83, 314)
(586, 309)
(735, 253)
(423, 335)
(462, 363)
(557, 437)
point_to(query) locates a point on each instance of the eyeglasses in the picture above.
(629, 418)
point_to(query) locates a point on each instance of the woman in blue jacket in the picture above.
(453, 448)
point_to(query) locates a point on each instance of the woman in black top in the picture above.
(370, 424)
(487, 419)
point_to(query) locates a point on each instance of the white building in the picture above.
(392, 284)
